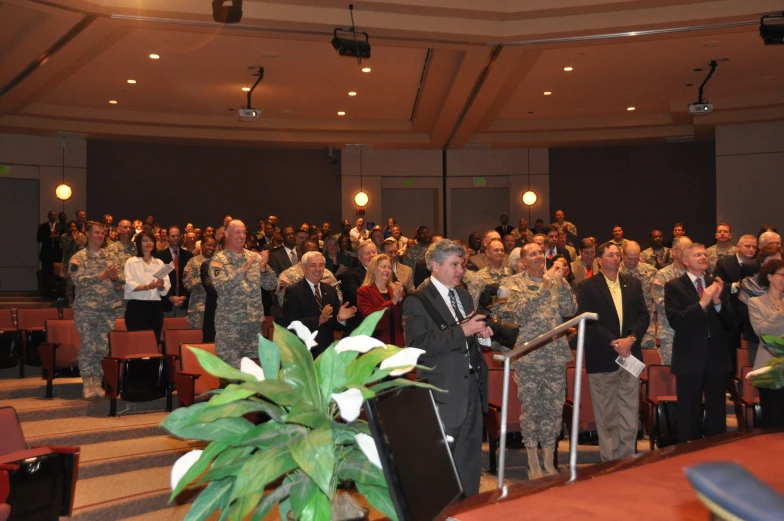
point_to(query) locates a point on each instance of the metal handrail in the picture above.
(506, 358)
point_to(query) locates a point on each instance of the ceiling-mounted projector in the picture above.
(351, 46)
(700, 109)
(248, 114)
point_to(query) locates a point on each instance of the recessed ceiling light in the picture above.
(269, 55)
(366, 69)
(630, 108)
(713, 43)
(568, 69)
(245, 89)
(131, 81)
(287, 111)
(113, 102)
(154, 57)
(352, 93)
(547, 93)
(341, 113)
(698, 70)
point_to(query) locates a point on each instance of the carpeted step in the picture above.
(176, 513)
(82, 431)
(35, 409)
(33, 386)
(136, 493)
(114, 457)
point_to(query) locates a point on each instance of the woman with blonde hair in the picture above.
(379, 292)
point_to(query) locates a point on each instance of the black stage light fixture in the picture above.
(345, 41)
(227, 14)
(772, 29)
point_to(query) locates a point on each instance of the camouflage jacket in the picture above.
(92, 293)
(714, 254)
(476, 283)
(239, 294)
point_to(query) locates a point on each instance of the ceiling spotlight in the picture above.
(341, 113)
(349, 45)
(352, 93)
(245, 89)
(113, 102)
(630, 108)
(132, 82)
(547, 93)
(568, 69)
(366, 69)
(154, 57)
(227, 14)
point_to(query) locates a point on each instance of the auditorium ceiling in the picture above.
(454, 74)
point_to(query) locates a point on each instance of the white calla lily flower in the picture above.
(350, 403)
(250, 367)
(304, 334)
(359, 343)
(368, 446)
(762, 370)
(182, 465)
(403, 361)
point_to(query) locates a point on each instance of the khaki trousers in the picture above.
(616, 405)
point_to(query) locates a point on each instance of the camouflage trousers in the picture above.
(649, 338)
(195, 319)
(234, 340)
(93, 327)
(120, 311)
(666, 337)
(542, 392)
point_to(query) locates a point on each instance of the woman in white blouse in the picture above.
(142, 290)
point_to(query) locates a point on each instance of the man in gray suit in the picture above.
(439, 318)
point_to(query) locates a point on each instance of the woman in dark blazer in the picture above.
(379, 292)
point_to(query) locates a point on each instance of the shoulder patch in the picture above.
(74, 265)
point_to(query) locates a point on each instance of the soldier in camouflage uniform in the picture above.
(722, 248)
(294, 274)
(522, 234)
(658, 255)
(96, 277)
(645, 273)
(538, 300)
(416, 252)
(493, 273)
(122, 250)
(570, 229)
(238, 276)
(192, 281)
(664, 275)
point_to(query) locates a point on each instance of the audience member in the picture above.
(420, 269)
(176, 302)
(645, 273)
(678, 230)
(474, 243)
(722, 248)
(143, 291)
(193, 283)
(295, 273)
(494, 272)
(750, 287)
(658, 255)
(49, 237)
(522, 234)
(283, 258)
(416, 252)
(538, 227)
(617, 233)
(505, 226)
(561, 224)
(358, 233)
(509, 243)
(353, 279)
(552, 248)
(479, 261)
(675, 270)
(379, 291)
(337, 260)
(585, 266)
(70, 243)
(122, 250)
(400, 272)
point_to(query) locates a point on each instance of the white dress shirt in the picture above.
(137, 273)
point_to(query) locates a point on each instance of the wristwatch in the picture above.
(634, 339)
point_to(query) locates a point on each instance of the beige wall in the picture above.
(750, 176)
(35, 157)
(504, 169)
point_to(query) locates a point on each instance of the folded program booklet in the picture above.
(164, 272)
(631, 364)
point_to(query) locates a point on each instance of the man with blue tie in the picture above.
(699, 312)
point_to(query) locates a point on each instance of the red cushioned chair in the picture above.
(747, 407)
(32, 329)
(587, 420)
(649, 357)
(119, 324)
(36, 483)
(173, 338)
(135, 369)
(660, 402)
(173, 323)
(9, 340)
(192, 380)
(492, 420)
(67, 313)
(60, 352)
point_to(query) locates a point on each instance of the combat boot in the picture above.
(547, 460)
(534, 470)
(98, 387)
(88, 389)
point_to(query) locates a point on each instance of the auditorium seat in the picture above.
(9, 340)
(743, 361)
(267, 327)
(747, 406)
(60, 351)
(492, 363)
(192, 380)
(173, 323)
(67, 313)
(119, 324)
(172, 339)
(651, 357)
(25, 473)
(32, 330)
(135, 369)
(587, 420)
(492, 420)
(659, 400)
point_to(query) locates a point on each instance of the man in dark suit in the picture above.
(451, 348)
(353, 278)
(316, 303)
(623, 320)
(49, 237)
(505, 227)
(285, 257)
(731, 269)
(700, 313)
(175, 304)
(551, 248)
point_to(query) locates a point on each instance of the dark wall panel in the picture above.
(638, 187)
(201, 184)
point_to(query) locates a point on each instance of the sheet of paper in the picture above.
(631, 364)
(164, 272)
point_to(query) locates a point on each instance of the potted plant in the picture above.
(313, 441)
(772, 375)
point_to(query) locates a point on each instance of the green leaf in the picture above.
(217, 367)
(305, 414)
(180, 418)
(268, 501)
(308, 502)
(774, 344)
(368, 326)
(298, 367)
(380, 499)
(773, 379)
(215, 430)
(234, 410)
(356, 467)
(231, 393)
(360, 369)
(210, 452)
(315, 455)
(402, 382)
(262, 468)
(269, 358)
(208, 500)
(366, 393)
(245, 505)
(265, 435)
(331, 369)
(276, 391)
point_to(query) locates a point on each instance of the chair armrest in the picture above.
(185, 385)
(48, 354)
(111, 375)
(171, 367)
(495, 405)
(5, 483)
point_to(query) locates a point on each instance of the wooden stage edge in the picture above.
(529, 488)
